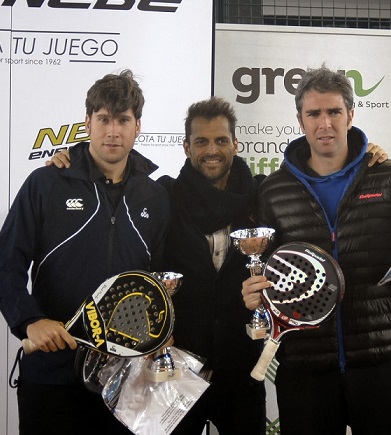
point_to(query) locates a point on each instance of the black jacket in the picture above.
(65, 225)
(360, 241)
(210, 316)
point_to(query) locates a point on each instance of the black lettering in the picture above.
(145, 5)
(253, 87)
(292, 77)
(45, 153)
(58, 4)
(125, 6)
(30, 3)
(270, 75)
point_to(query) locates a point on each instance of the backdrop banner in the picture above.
(257, 69)
(52, 51)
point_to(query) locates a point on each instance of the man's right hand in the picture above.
(251, 290)
(60, 159)
(50, 335)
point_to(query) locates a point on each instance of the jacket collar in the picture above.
(81, 168)
(298, 152)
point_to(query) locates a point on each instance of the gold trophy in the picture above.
(162, 367)
(253, 243)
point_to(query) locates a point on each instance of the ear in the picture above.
(350, 118)
(88, 124)
(138, 127)
(186, 148)
(298, 116)
(235, 145)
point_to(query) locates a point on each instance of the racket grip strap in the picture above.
(28, 346)
(270, 349)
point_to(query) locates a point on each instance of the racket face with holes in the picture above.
(307, 283)
(130, 314)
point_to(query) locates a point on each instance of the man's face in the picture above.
(211, 149)
(111, 139)
(325, 122)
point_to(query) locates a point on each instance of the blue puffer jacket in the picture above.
(360, 240)
(64, 224)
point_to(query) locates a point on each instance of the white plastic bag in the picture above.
(147, 407)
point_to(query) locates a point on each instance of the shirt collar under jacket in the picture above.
(95, 174)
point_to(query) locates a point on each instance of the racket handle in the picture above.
(270, 349)
(28, 346)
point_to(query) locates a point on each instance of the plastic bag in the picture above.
(147, 407)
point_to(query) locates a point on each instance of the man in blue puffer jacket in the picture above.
(325, 193)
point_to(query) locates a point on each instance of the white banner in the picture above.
(57, 50)
(52, 51)
(258, 67)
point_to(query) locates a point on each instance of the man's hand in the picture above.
(379, 155)
(251, 290)
(61, 160)
(50, 336)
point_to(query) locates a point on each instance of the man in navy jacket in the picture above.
(77, 227)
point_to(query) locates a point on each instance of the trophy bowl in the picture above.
(253, 242)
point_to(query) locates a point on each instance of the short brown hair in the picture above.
(208, 109)
(324, 80)
(117, 93)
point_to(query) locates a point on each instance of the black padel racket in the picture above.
(130, 314)
(308, 284)
(89, 364)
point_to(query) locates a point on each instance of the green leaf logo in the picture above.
(358, 87)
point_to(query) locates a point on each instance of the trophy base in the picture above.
(162, 376)
(256, 333)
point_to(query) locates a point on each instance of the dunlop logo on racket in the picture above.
(302, 280)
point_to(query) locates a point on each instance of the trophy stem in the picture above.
(162, 367)
(260, 322)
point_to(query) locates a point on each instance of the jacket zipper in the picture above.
(110, 247)
(334, 250)
(334, 243)
(341, 346)
(348, 189)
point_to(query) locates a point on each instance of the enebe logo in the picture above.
(248, 81)
(124, 5)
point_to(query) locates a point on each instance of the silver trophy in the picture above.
(253, 243)
(162, 367)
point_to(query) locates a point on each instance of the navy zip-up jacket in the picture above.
(64, 224)
(360, 240)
